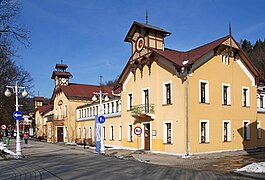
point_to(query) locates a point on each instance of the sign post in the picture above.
(138, 132)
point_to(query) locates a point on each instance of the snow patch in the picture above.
(3, 148)
(254, 168)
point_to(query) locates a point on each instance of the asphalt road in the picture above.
(57, 161)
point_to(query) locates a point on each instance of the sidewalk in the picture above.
(219, 162)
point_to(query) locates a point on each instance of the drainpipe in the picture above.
(187, 116)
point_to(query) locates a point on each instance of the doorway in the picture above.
(59, 134)
(147, 136)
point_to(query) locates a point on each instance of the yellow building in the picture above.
(40, 116)
(201, 100)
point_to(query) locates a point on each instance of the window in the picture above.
(96, 110)
(65, 110)
(90, 132)
(167, 132)
(204, 131)
(226, 99)
(84, 132)
(167, 93)
(112, 133)
(104, 132)
(120, 133)
(146, 101)
(129, 101)
(104, 108)
(130, 133)
(80, 115)
(246, 130)
(203, 91)
(225, 59)
(245, 97)
(258, 129)
(79, 133)
(49, 131)
(108, 106)
(261, 101)
(117, 106)
(112, 107)
(226, 130)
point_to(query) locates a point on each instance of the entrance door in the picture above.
(59, 134)
(147, 137)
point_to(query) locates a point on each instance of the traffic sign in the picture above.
(101, 119)
(3, 127)
(137, 130)
(17, 115)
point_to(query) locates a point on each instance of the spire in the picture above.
(230, 29)
(61, 60)
(146, 16)
(230, 37)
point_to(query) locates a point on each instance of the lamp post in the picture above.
(16, 91)
(94, 98)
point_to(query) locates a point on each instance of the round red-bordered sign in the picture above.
(3, 127)
(137, 130)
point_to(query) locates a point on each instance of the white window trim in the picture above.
(110, 133)
(207, 91)
(120, 132)
(165, 92)
(228, 93)
(247, 96)
(259, 129)
(128, 100)
(228, 130)
(248, 129)
(165, 132)
(207, 140)
(128, 132)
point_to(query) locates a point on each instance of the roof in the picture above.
(60, 73)
(146, 26)
(193, 55)
(63, 66)
(84, 91)
(38, 98)
(45, 108)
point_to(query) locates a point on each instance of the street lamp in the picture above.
(16, 90)
(94, 98)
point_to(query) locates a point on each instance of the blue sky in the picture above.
(88, 34)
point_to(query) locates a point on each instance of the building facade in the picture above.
(207, 99)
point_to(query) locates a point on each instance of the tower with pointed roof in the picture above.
(60, 75)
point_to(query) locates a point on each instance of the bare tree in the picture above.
(11, 33)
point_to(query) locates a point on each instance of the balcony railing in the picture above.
(55, 118)
(143, 109)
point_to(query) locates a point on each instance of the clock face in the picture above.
(63, 80)
(140, 44)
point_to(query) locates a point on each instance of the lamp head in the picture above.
(106, 98)
(7, 93)
(94, 98)
(24, 93)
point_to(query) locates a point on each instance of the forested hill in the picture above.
(256, 53)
